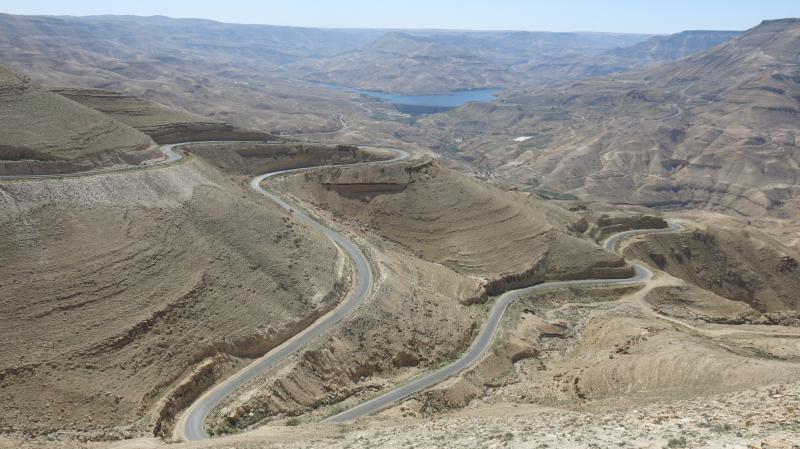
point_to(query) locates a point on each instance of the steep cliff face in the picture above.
(43, 132)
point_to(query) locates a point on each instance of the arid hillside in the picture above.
(125, 295)
(43, 132)
(193, 65)
(432, 269)
(738, 265)
(164, 124)
(675, 46)
(447, 218)
(257, 77)
(714, 131)
(160, 282)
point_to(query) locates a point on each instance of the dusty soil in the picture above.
(164, 124)
(761, 418)
(42, 132)
(397, 212)
(118, 286)
(620, 352)
(505, 238)
(739, 264)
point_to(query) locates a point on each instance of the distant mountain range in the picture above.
(99, 51)
(413, 63)
(674, 46)
(716, 130)
(672, 122)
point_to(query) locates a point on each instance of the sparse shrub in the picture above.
(293, 422)
(676, 442)
(721, 428)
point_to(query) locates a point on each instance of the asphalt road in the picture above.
(168, 150)
(487, 333)
(190, 426)
(611, 244)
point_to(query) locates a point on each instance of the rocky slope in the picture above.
(714, 131)
(674, 46)
(43, 132)
(450, 219)
(162, 123)
(427, 229)
(124, 295)
(740, 266)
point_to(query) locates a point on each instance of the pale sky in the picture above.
(641, 16)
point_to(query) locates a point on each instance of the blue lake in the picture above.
(426, 104)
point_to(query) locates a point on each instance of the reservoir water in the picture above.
(426, 104)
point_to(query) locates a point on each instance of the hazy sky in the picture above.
(639, 16)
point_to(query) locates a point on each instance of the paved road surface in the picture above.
(190, 425)
(612, 243)
(484, 341)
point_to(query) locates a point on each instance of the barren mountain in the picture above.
(441, 242)
(195, 65)
(399, 62)
(674, 46)
(418, 62)
(163, 124)
(430, 62)
(125, 294)
(42, 132)
(249, 75)
(715, 130)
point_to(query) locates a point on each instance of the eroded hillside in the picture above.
(472, 227)
(125, 296)
(714, 131)
(43, 132)
(121, 287)
(741, 265)
(162, 123)
(426, 227)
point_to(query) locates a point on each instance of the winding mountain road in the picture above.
(190, 424)
(487, 333)
(612, 243)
